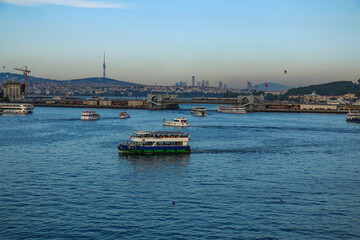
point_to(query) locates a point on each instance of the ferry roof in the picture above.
(160, 132)
(16, 104)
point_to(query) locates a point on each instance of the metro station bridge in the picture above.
(161, 101)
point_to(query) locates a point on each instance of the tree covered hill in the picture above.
(5, 77)
(333, 88)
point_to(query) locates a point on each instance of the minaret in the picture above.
(104, 66)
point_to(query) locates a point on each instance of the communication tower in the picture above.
(104, 67)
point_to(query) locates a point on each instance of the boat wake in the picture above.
(267, 128)
(238, 151)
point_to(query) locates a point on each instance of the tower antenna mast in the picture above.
(104, 67)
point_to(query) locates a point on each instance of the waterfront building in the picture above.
(350, 96)
(319, 107)
(14, 90)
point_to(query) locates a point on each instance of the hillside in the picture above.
(333, 88)
(5, 77)
(271, 87)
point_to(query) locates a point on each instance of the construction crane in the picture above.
(25, 72)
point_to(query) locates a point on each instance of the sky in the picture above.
(166, 41)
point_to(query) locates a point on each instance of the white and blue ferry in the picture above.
(152, 142)
(353, 116)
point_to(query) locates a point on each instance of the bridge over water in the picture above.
(160, 101)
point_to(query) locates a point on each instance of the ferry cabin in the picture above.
(177, 122)
(199, 111)
(89, 115)
(148, 142)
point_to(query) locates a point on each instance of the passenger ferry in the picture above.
(231, 109)
(152, 142)
(178, 122)
(123, 115)
(89, 115)
(198, 111)
(353, 116)
(16, 108)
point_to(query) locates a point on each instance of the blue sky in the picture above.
(166, 41)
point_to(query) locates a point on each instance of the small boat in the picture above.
(16, 108)
(89, 115)
(198, 111)
(152, 142)
(123, 115)
(231, 109)
(353, 116)
(177, 122)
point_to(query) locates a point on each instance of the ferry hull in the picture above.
(126, 149)
(353, 120)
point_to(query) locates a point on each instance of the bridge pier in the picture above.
(157, 101)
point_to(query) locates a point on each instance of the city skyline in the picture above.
(150, 42)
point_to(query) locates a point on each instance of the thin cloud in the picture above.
(69, 3)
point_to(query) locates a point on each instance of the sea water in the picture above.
(249, 176)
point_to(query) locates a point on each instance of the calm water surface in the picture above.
(62, 178)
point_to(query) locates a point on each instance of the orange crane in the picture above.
(26, 72)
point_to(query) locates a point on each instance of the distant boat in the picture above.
(177, 122)
(231, 109)
(123, 115)
(152, 142)
(199, 111)
(89, 115)
(353, 116)
(16, 108)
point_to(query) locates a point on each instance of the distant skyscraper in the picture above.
(206, 83)
(220, 84)
(225, 86)
(198, 84)
(203, 83)
(104, 66)
(248, 85)
(182, 84)
(193, 81)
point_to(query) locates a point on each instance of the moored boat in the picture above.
(353, 116)
(89, 115)
(198, 111)
(16, 108)
(231, 109)
(177, 122)
(152, 142)
(123, 115)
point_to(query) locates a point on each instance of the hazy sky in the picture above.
(166, 41)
